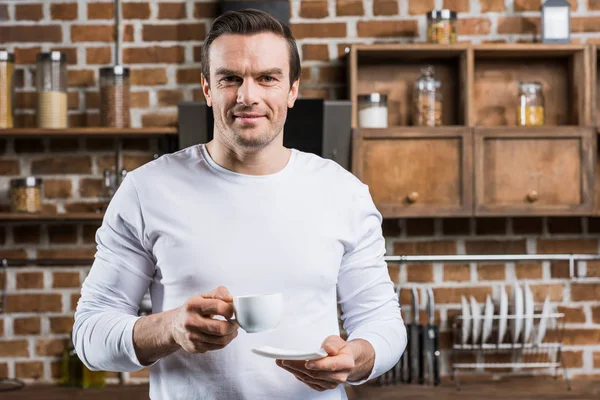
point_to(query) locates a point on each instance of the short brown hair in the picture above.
(250, 22)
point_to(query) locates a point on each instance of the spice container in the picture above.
(7, 71)
(372, 110)
(531, 110)
(51, 82)
(441, 26)
(26, 194)
(427, 99)
(114, 97)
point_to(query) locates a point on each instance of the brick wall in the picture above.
(162, 47)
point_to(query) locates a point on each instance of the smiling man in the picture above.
(239, 215)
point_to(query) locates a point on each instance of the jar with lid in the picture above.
(51, 82)
(26, 194)
(427, 99)
(531, 109)
(114, 97)
(441, 26)
(7, 89)
(372, 110)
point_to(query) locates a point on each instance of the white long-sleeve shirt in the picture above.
(182, 225)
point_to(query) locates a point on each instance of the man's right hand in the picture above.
(193, 326)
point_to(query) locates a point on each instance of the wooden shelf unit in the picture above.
(88, 131)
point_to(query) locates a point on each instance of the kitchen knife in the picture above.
(433, 352)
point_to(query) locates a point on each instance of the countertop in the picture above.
(524, 388)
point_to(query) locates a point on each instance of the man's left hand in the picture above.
(345, 360)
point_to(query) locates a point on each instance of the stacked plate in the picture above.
(479, 322)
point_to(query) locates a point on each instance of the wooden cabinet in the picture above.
(416, 171)
(534, 171)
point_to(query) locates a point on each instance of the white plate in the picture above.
(529, 310)
(476, 313)
(488, 319)
(543, 321)
(503, 314)
(466, 320)
(283, 354)
(516, 323)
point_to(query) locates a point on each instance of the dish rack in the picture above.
(542, 351)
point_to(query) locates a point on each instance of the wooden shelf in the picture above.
(88, 131)
(18, 217)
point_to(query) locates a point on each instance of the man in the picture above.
(241, 215)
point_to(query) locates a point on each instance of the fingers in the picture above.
(208, 307)
(221, 293)
(314, 382)
(211, 339)
(333, 344)
(213, 327)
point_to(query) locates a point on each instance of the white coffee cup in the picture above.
(258, 312)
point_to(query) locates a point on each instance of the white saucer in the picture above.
(283, 354)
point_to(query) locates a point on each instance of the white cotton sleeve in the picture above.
(110, 296)
(370, 308)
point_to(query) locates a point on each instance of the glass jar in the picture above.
(114, 97)
(427, 99)
(7, 89)
(531, 110)
(26, 194)
(441, 26)
(51, 82)
(372, 110)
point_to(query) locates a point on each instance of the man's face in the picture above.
(249, 88)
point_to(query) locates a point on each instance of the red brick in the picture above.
(77, 253)
(394, 272)
(419, 273)
(593, 4)
(491, 272)
(457, 272)
(172, 10)
(420, 227)
(100, 11)
(30, 280)
(154, 54)
(491, 5)
(61, 324)
(62, 165)
(188, 75)
(10, 167)
(140, 100)
(131, 162)
(474, 26)
(306, 74)
(3, 17)
(523, 25)
(40, 302)
(490, 226)
(573, 359)
(171, 97)
(29, 12)
(385, 7)
(573, 337)
(175, 32)
(98, 55)
(25, 55)
(136, 10)
(206, 10)
(91, 187)
(27, 326)
(496, 246)
(143, 373)
(440, 247)
(585, 291)
(64, 11)
(388, 28)
(566, 246)
(92, 33)
(573, 315)
(535, 5)
(315, 52)
(313, 9)
(457, 5)
(13, 253)
(314, 93)
(529, 270)
(148, 77)
(319, 30)
(58, 188)
(420, 7)
(444, 295)
(162, 119)
(74, 299)
(332, 74)
(554, 290)
(596, 359)
(198, 53)
(349, 8)
(29, 370)
(66, 280)
(81, 78)
(50, 347)
(14, 348)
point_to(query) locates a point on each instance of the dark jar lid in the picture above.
(30, 181)
(115, 70)
(372, 98)
(441, 14)
(52, 56)
(6, 56)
